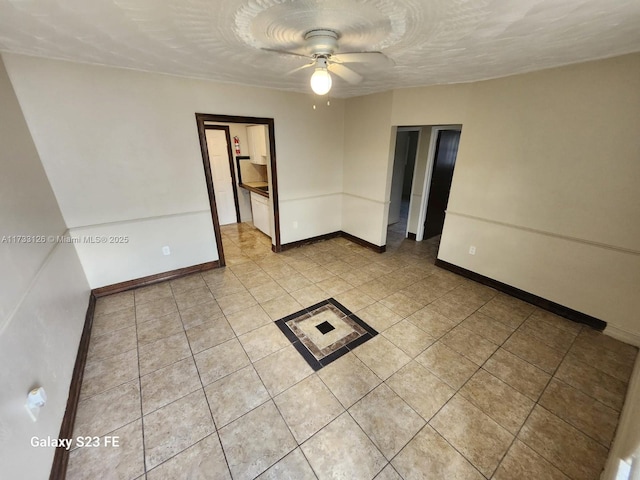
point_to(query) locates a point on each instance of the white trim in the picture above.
(623, 335)
(427, 177)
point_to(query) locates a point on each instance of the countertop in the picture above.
(255, 188)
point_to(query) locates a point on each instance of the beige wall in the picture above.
(368, 165)
(545, 184)
(123, 158)
(43, 298)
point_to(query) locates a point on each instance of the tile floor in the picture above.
(463, 382)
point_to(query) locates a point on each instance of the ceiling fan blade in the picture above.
(345, 73)
(284, 52)
(300, 68)
(374, 58)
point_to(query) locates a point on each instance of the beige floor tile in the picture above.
(106, 373)
(156, 309)
(388, 421)
(209, 334)
(382, 356)
(124, 461)
(108, 411)
(429, 456)
(502, 403)
(159, 328)
(342, 450)
(200, 313)
(220, 361)
(374, 288)
(378, 316)
(168, 384)
(204, 460)
(593, 382)
(388, 473)
(402, 304)
(448, 365)
(113, 303)
(307, 407)
(409, 338)
(255, 279)
(534, 351)
(522, 463)
(175, 427)
(361, 276)
(292, 467)
(453, 308)
(317, 274)
(303, 264)
(234, 395)
(310, 295)
(280, 307)
(256, 441)
(152, 293)
(508, 310)
(514, 371)
(293, 282)
(236, 302)
(474, 434)
(263, 341)
(432, 322)
(468, 344)
(355, 300)
(485, 326)
(227, 287)
(111, 322)
(267, 291)
(334, 286)
(564, 446)
(338, 267)
(281, 271)
(580, 410)
(190, 298)
(186, 283)
(163, 352)
(422, 390)
(557, 321)
(608, 355)
(349, 379)
(248, 319)
(282, 369)
(112, 343)
(244, 269)
(548, 334)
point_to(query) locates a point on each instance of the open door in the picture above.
(222, 171)
(444, 163)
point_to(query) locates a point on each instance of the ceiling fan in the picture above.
(322, 45)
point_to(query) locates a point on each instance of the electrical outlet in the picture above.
(472, 250)
(166, 250)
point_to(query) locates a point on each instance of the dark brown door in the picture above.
(445, 160)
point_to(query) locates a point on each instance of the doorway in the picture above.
(444, 161)
(207, 123)
(401, 183)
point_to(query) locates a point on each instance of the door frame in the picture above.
(431, 155)
(234, 184)
(201, 118)
(415, 167)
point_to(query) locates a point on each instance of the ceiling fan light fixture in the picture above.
(321, 81)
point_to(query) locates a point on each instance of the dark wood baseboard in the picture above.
(364, 243)
(309, 241)
(543, 303)
(327, 236)
(61, 456)
(151, 279)
(411, 236)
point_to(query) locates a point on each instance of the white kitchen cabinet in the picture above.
(260, 212)
(257, 139)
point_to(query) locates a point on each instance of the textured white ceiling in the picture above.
(431, 41)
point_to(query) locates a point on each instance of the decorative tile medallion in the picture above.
(324, 332)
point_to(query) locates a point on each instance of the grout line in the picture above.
(144, 447)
